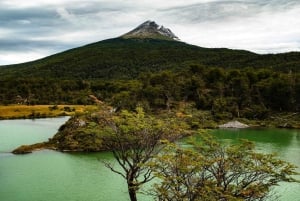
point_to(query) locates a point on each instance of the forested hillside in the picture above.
(126, 58)
(159, 74)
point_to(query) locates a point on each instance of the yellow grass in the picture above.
(38, 111)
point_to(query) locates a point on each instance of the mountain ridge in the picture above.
(159, 73)
(131, 54)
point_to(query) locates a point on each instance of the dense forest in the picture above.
(236, 92)
(159, 74)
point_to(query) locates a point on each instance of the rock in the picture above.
(150, 29)
(233, 124)
(285, 125)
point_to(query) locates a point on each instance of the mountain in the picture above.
(149, 66)
(150, 29)
(147, 48)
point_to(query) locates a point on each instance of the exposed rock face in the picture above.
(150, 29)
(234, 124)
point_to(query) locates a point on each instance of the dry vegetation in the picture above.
(40, 111)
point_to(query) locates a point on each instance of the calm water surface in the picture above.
(54, 176)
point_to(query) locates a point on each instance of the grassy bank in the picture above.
(42, 111)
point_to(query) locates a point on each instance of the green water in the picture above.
(285, 143)
(54, 176)
(49, 175)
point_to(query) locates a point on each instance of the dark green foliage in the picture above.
(79, 134)
(158, 74)
(233, 93)
(120, 58)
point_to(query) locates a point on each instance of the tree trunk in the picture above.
(132, 192)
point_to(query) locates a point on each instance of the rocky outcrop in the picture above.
(150, 29)
(233, 124)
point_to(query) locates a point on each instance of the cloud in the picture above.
(19, 57)
(66, 15)
(260, 26)
(40, 28)
(228, 10)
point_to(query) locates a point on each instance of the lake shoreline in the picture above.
(28, 149)
(78, 133)
(61, 141)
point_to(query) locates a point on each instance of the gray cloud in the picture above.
(260, 26)
(213, 11)
(227, 10)
(39, 28)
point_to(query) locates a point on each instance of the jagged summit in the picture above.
(150, 29)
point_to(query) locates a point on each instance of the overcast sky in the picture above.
(37, 28)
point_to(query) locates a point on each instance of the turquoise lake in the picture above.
(53, 176)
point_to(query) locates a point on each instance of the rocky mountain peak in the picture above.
(150, 29)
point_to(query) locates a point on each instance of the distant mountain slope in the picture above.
(132, 54)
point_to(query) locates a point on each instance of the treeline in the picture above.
(227, 93)
(33, 91)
